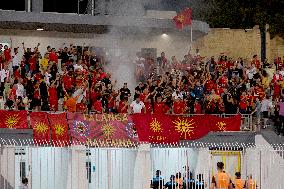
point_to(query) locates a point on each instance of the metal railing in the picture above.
(83, 167)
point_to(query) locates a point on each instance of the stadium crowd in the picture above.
(72, 80)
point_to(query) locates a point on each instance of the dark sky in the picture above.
(71, 6)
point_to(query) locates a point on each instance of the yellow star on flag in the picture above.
(41, 128)
(12, 121)
(180, 18)
(184, 126)
(156, 126)
(222, 126)
(59, 130)
(108, 130)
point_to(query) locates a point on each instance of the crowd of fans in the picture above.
(78, 83)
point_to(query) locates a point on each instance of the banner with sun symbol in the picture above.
(191, 128)
(59, 129)
(41, 128)
(155, 128)
(218, 124)
(102, 129)
(13, 119)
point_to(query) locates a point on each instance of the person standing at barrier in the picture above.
(238, 183)
(24, 184)
(221, 179)
(157, 182)
(172, 184)
(280, 127)
(251, 184)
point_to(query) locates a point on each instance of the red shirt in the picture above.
(197, 108)
(209, 85)
(52, 91)
(80, 107)
(223, 81)
(243, 103)
(67, 81)
(148, 107)
(7, 54)
(179, 107)
(111, 102)
(32, 62)
(277, 88)
(53, 57)
(122, 105)
(159, 108)
(98, 107)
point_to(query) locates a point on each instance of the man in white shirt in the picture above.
(20, 91)
(78, 66)
(16, 59)
(266, 104)
(137, 106)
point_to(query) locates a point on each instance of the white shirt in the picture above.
(20, 90)
(78, 67)
(4, 74)
(265, 105)
(2, 104)
(78, 92)
(16, 60)
(47, 76)
(251, 72)
(176, 96)
(137, 107)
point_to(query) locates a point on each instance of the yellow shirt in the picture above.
(265, 82)
(44, 63)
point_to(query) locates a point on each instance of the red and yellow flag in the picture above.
(13, 119)
(155, 128)
(191, 128)
(183, 19)
(41, 128)
(225, 124)
(59, 129)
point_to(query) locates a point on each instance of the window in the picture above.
(22, 169)
(89, 171)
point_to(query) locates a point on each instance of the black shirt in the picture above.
(124, 92)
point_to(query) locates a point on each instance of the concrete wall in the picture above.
(277, 47)
(233, 42)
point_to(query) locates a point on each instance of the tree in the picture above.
(241, 14)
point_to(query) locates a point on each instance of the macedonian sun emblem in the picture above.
(59, 130)
(12, 121)
(155, 125)
(108, 130)
(41, 128)
(180, 18)
(184, 126)
(222, 126)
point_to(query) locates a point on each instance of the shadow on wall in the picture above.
(4, 184)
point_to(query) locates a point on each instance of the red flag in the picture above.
(225, 124)
(13, 119)
(183, 19)
(59, 129)
(41, 129)
(155, 128)
(191, 128)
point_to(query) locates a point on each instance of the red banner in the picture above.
(164, 128)
(59, 129)
(155, 128)
(183, 19)
(102, 129)
(13, 119)
(224, 124)
(191, 128)
(41, 129)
